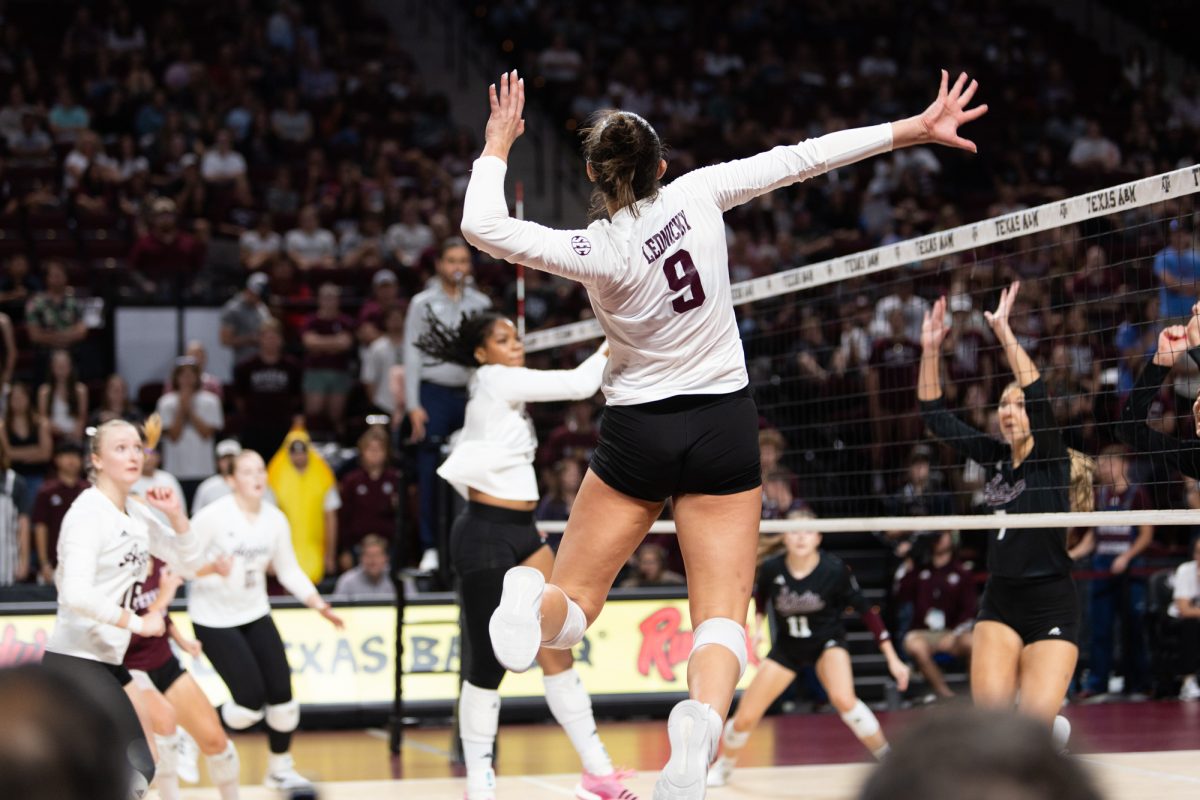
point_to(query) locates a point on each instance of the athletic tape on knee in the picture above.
(723, 632)
(239, 718)
(734, 739)
(168, 756)
(573, 629)
(225, 766)
(478, 713)
(284, 717)
(861, 720)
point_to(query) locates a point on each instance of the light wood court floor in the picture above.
(1173, 775)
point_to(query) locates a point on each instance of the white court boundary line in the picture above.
(1096, 760)
(1101, 203)
(953, 522)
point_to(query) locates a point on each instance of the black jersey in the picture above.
(1176, 453)
(812, 606)
(1040, 484)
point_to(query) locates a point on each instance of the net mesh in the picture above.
(833, 351)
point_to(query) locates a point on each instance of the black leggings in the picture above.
(105, 683)
(484, 543)
(251, 660)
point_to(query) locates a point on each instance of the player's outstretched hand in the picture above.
(900, 673)
(945, 114)
(507, 99)
(1172, 343)
(166, 500)
(998, 319)
(934, 327)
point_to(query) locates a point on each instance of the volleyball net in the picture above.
(833, 349)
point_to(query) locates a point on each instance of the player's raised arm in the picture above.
(486, 223)
(736, 182)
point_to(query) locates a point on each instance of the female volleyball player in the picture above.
(104, 549)
(171, 695)
(491, 465)
(1026, 636)
(808, 590)
(1176, 453)
(681, 423)
(232, 617)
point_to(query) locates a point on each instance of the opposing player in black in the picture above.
(1026, 637)
(807, 591)
(1174, 452)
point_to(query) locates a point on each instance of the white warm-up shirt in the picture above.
(659, 282)
(494, 451)
(215, 601)
(102, 552)
(1187, 586)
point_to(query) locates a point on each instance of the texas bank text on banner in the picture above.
(635, 647)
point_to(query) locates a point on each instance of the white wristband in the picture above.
(135, 624)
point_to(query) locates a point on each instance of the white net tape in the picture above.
(1115, 199)
(952, 522)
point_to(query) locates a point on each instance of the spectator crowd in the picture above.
(284, 161)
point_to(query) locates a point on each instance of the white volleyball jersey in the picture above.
(658, 282)
(102, 553)
(241, 597)
(493, 453)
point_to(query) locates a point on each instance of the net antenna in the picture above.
(520, 209)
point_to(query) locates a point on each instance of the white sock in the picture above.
(477, 756)
(882, 752)
(166, 778)
(571, 706)
(223, 769)
(280, 762)
(478, 721)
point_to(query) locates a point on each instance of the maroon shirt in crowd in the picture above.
(50, 506)
(368, 506)
(268, 397)
(157, 258)
(329, 327)
(148, 652)
(949, 589)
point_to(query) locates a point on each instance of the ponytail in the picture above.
(457, 345)
(624, 152)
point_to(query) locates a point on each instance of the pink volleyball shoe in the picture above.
(605, 787)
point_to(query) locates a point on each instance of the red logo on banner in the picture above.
(14, 652)
(665, 646)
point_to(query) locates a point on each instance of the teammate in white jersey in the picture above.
(104, 549)
(232, 616)
(681, 423)
(491, 466)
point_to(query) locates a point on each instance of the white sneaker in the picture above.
(694, 731)
(282, 775)
(429, 561)
(1061, 733)
(481, 786)
(1190, 690)
(187, 757)
(720, 772)
(516, 624)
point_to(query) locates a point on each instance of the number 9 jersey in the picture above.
(657, 273)
(808, 611)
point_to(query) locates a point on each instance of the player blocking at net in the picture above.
(681, 422)
(1026, 635)
(807, 590)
